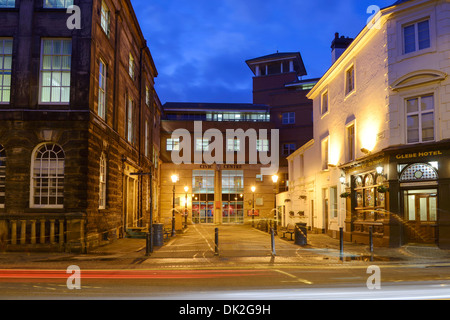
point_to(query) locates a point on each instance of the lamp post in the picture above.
(253, 204)
(186, 189)
(275, 181)
(174, 180)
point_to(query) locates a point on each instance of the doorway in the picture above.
(420, 215)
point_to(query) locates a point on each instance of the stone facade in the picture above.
(78, 127)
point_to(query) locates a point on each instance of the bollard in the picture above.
(341, 236)
(371, 239)
(272, 235)
(147, 244)
(216, 240)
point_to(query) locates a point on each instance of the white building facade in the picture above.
(380, 158)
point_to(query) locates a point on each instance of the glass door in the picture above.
(232, 208)
(420, 209)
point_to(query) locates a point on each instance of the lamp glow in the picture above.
(275, 178)
(253, 189)
(174, 178)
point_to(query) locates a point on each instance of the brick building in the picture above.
(222, 192)
(79, 117)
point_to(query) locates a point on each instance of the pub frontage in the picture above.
(401, 195)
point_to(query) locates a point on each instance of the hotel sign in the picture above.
(418, 155)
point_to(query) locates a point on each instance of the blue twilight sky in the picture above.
(200, 46)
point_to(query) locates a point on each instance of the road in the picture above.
(257, 283)
(186, 268)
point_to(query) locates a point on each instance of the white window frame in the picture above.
(173, 144)
(202, 144)
(130, 120)
(102, 82)
(131, 66)
(350, 151)
(416, 35)
(39, 174)
(58, 72)
(102, 182)
(105, 18)
(324, 101)
(233, 145)
(56, 4)
(262, 145)
(349, 76)
(5, 88)
(420, 113)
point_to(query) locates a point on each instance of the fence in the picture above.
(61, 232)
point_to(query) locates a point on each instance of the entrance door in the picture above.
(420, 207)
(130, 203)
(232, 209)
(203, 208)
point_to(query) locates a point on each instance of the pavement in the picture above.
(238, 246)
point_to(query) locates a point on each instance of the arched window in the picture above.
(418, 172)
(47, 175)
(2, 176)
(102, 188)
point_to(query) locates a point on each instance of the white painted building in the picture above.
(381, 121)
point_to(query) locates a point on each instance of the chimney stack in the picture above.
(338, 46)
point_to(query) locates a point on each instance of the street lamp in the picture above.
(275, 180)
(186, 189)
(253, 204)
(174, 180)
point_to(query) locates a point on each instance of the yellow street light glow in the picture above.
(174, 178)
(275, 178)
(253, 189)
(186, 189)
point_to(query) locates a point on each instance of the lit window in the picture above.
(173, 144)
(202, 145)
(2, 176)
(129, 121)
(58, 3)
(102, 191)
(416, 36)
(131, 66)
(233, 145)
(47, 172)
(147, 96)
(262, 145)
(7, 3)
(102, 90)
(288, 118)
(104, 20)
(55, 70)
(350, 80)
(6, 46)
(420, 119)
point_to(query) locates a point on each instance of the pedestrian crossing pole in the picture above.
(272, 236)
(216, 242)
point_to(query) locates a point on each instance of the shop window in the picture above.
(368, 197)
